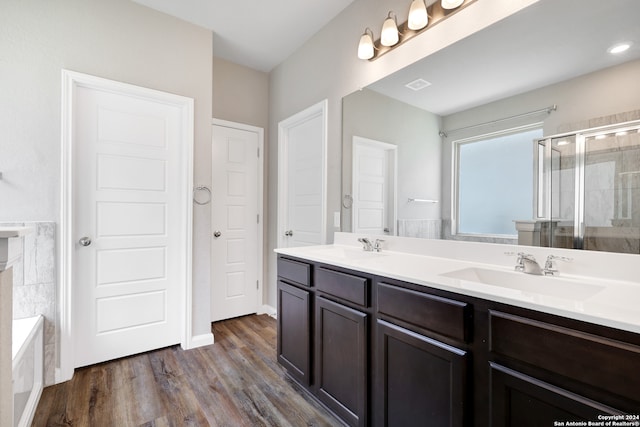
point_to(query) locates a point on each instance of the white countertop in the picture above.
(601, 298)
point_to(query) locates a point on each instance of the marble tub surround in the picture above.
(420, 228)
(11, 244)
(611, 279)
(11, 248)
(34, 286)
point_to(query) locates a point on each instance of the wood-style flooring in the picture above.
(234, 382)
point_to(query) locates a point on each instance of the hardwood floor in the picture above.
(235, 382)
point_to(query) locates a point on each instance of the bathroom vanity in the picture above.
(430, 333)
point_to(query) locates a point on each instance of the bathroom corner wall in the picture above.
(34, 288)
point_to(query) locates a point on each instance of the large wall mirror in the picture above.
(484, 140)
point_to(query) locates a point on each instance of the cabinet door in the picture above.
(419, 381)
(341, 358)
(523, 401)
(294, 331)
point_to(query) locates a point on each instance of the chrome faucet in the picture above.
(527, 264)
(366, 244)
(548, 265)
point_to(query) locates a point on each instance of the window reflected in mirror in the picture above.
(494, 180)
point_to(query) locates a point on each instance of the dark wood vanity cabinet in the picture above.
(341, 360)
(521, 400)
(295, 318)
(419, 379)
(342, 342)
(545, 368)
(383, 352)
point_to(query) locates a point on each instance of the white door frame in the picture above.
(366, 142)
(260, 131)
(70, 81)
(283, 151)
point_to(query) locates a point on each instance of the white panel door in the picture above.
(302, 181)
(373, 190)
(127, 225)
(235, 222)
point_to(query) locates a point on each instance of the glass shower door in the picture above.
(611, 205)
(556, 191)
(562, 223)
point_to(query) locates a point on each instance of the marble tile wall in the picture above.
(422, 228)
(627, 116)
(34, 287)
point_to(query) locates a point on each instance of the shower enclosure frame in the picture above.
(543, 183)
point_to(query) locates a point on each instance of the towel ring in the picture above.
(201, 188)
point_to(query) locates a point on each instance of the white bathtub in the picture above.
(28, 363)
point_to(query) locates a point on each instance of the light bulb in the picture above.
(389, 35)
(365, 47)
(451, 4)
(418, 18)
(619, 48)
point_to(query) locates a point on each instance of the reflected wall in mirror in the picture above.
(482, 85)
(372, 116)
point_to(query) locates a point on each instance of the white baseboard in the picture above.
(267, 309)
(199, 341)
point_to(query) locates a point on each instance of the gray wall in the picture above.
(371, 115)
(327, 67)
(115, 39)
(240, 94)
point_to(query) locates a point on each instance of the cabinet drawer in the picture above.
(440, 315)
(590, 359)
(347, 286)
(295, 271)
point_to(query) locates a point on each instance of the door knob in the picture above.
(85, 241)
(288, 233)
(217, 234)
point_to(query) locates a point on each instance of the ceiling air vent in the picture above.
(418, 84)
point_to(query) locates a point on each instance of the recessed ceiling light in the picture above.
(418, 84)
(619, 48)
(563, 142)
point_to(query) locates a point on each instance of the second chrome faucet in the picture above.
(527, 264)
(368, 246)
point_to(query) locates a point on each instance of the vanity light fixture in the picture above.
(451, 4)
(421, 17)
(418, 16)
(366, 46)
(390, 34)
(619, 48)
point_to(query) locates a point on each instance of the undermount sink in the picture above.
(550, 286)
(346, 254)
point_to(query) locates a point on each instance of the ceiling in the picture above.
(258, 34)
(548, 42)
